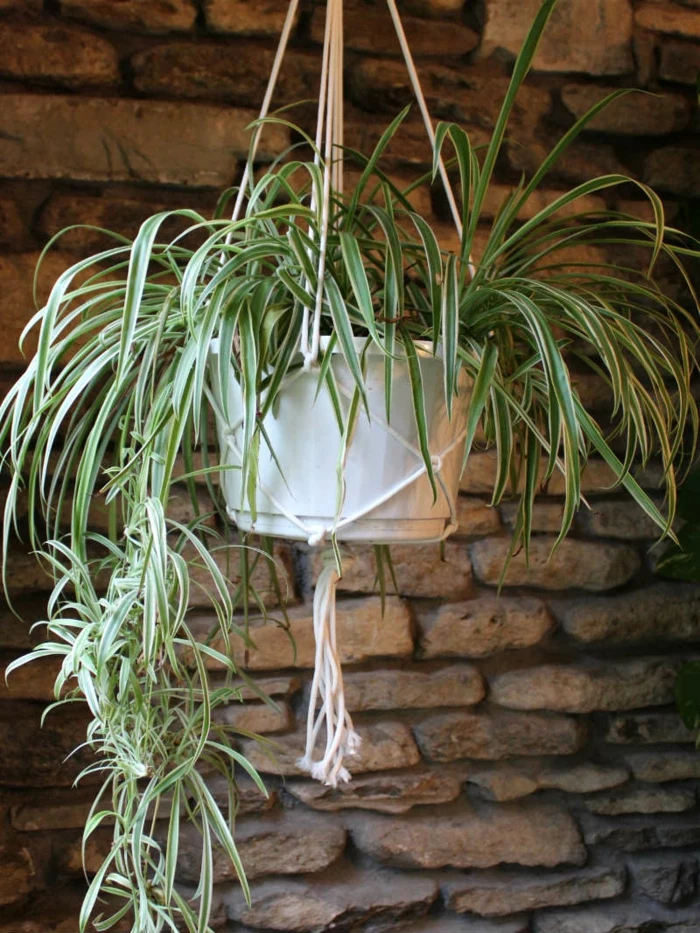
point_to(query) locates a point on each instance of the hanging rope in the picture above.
(327, 686)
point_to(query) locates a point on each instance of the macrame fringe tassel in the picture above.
(341, 738)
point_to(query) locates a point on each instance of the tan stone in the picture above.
(459, 685)
(155, 16)
(259, 688)
(476, 518)
(546, 516)
(16, 300)
(635, 114)
(508, 782)
(665, 610)
(540, 199)
(255, 718)
(500, 893)
(32, 681)
(419, 570)
(57, 54)
(479, 477)
(198, 69)
(497, 734)
(472, 838)
(386, 793)
(18, 876)
(648, 729)
(659, 767)
(642, 800)
(581, 162)
(14, 234)
(385, 745)
(22, 6)
(581, 688)
(588, 565)
(42, 758)
(482, 627)
(246, 17)
(296, 906)
(363, 633)
(675, 169)
(111, 139)
(227, 560)
(582, 779)
(66, 809)
(667, 19)
(285, 842)
(680, 62)
(370, 30)
(578, 38)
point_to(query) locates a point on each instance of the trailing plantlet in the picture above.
(333, 341)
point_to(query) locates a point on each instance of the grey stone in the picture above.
(386, 793)
(639, 833)
(483, 626)
(459, 685)
(590, 565)
(617, 519)
(363, 633)
(581, 688)
(642, 800)
(499, 893)
(497, 734)
(446, 923)
(665, 878)
(41, 759)
(617, 918)
(577, 38)
(419, 568)
(648, 729)
(633, 114)
(658, 767)
(664, 610)
(546, 516)
(472, 838)
(357, 896)
(384, 746)
(114, 139)
(279, 843)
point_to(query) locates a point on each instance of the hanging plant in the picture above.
(329, 326)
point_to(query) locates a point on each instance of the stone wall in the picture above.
(523, 768)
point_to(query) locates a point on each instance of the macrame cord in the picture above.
(327, 687)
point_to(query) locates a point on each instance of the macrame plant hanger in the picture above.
(327, 687)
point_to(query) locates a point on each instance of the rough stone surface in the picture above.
(642, 800)
(619, 918)
(502, 892)
(384, 746)
(667, 879)
(450, 923)
(664, 610)
(286, 843)
(258, 718)
(296, 906)
(32, 681)
(648, 729)
(675, 169)
(668, 19)
(582, 688)
(363, 633)
(418, 567)
(546, 516)
(198, 69)
(641, 833)
(634, 114)
(493, 735)
(481, 627)
(157, 16)
(55, 54)
(112, 139)
(577, 39)
(508, 782)
(476, 518)
(17, 878)
(246, 17)
(613, 519)
(659, 767)
(387, 793)
(459, 685)
(595, 566)
(40, 761)
(478, 838)
(680, 62)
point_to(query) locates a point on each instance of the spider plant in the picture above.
(116, 406)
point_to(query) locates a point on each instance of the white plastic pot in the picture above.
(388, 497)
